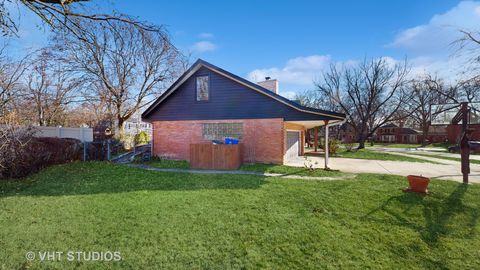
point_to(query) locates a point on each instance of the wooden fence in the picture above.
(215, 156)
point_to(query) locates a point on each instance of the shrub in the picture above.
(348, 146)
(141, 138)
(127, 141)
(333, 145)
(22, 154)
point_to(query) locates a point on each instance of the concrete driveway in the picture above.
(450, 171)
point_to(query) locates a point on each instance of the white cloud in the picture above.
(442, 29)
(203, 46)
(299, 71)
(205, 35)
(429, 45)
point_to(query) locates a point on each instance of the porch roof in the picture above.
(315, 123)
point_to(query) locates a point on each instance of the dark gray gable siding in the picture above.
(227, 100)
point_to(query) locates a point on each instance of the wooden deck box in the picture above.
(215, 156)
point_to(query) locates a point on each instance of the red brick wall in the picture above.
(455, 131)
(263, 139)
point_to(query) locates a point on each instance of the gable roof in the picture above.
(408, 131)
(390, 125)
(201, 63)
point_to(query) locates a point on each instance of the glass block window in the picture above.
(202, 88)
(220, 131)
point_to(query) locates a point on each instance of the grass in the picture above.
(185, 221)
(369, 154)
(409, 145)
(264, 168)
(288, 170)
(166, 163)
(473, 161)
(395, 145)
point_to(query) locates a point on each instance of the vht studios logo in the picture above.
(106, 256)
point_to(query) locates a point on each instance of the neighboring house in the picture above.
(135, 125)
(454, 133)
(208, 103)
(391, 133)
(346, 133)
(437, 134)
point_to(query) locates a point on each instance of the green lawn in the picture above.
(369, 154)
(194, 221)
(288, 170)
(473, 161)
(395, 145)
(166, 163)
(411, 145)
(264, 168)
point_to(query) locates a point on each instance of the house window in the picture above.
(202, 88)
(220, 131)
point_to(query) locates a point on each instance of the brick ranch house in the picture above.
(208, 103)
(391, 133)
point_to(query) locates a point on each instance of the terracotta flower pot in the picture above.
(417, 184)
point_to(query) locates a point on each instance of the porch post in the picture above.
(315, 138)
(326, 145)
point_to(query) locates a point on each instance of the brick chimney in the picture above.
(270, 84)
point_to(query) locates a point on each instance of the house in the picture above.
(347, 133)
(454, 133)
(135, 125)
(437, 134)
(209, 103)
(391, 133)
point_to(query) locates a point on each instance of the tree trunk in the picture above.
(119, 127)
(361, 144)
(425, 133)
(361, 138)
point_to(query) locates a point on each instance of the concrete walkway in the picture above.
(449, 170)
(238, 172)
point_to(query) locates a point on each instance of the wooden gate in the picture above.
(215, 156)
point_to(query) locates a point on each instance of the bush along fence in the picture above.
(23, 151)
(24, 154)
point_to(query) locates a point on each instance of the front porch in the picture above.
(294, 150)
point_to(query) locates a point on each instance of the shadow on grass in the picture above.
(438, 215)
(96, 178)
(285, 170)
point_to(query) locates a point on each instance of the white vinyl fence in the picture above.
(82, 134)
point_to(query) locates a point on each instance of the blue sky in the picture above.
(294, 41)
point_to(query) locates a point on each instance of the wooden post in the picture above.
(315, 138)
(85, 151)
(464, 145)
(326, 145)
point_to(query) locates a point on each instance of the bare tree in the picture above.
(66, 14)
(48, 91)
(427, 90)
(315, 99)
(11, 73)
(127, 67)
(371, 94)
(468, 46)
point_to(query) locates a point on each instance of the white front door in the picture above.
(293, 145)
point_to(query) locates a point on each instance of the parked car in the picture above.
(474, 148)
